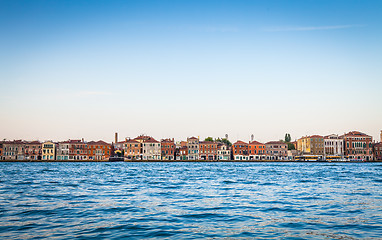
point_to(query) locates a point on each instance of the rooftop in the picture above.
(239, 142)
(275, 142)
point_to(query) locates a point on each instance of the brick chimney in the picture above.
(116, 138)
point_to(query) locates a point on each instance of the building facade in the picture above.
(77, 150)
(13, 150)
(48, 150)
(240, 150)
(224, 152)
(208, 150)
(99, 150)
(33, 150)
(133, 149)
(333, 145)
(151, 149)
(377, 151)
(193, 148)
(311, 145)
(256, 150)
(276, 150)
(63, 150)
(358, 146)
(181, 153)
(168, 149)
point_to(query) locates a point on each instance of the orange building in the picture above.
(133, 149)
(240, 150)
(256, 150)
(99, 150)
(167, 149)
(77, 150)
(208, 150)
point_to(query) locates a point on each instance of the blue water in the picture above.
(191, 200)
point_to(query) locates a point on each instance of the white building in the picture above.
(151, 149)
(334, 145)
(63, 150)
(193, 148)
(224, 152)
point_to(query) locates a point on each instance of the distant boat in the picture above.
(116, 159)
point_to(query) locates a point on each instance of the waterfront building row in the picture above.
(353, 145)
(49, 150)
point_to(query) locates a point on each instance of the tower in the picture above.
(380, 137)
(116, 138)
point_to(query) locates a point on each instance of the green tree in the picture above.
(287, 138)
(224, 140)
(209, 139)
(290, 146)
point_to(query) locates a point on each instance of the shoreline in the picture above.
(184, 161)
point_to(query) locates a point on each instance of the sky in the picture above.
(175, 69)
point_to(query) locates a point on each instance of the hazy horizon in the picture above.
(175, 69)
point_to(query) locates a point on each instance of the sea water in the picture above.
(190, 200)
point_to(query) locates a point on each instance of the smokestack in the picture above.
(116, 138)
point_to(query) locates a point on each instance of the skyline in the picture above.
(81, 69)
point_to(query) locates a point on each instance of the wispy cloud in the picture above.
(312, 28)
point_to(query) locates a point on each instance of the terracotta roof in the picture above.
(33, 142)
(14, 142)
(207, 142)
(193, 138)
(143, 137)
(74, 141)
(151, 140)
(100, 142)
(256, 143)
(316, 136)
(355, 133)
(240, 142)
(275, 142)
(132, 141)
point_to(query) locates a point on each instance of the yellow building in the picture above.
(313, 145)
(48, 151)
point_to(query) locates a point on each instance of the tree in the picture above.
(209, 139)
(224, 140)
(291, 146)
(287, 138)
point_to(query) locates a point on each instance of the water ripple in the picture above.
(190, 200)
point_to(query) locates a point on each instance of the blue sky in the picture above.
(73, 69)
